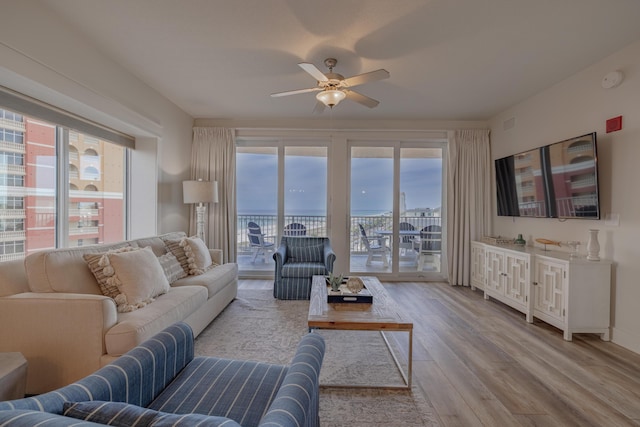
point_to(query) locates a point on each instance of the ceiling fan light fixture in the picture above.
(331, 97)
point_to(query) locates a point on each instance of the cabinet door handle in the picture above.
(534, 283)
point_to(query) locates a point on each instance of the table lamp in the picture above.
(200, 192)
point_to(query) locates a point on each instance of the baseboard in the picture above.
(630, 341)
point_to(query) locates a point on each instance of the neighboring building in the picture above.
(28, 162)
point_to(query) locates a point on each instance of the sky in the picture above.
(306, 177)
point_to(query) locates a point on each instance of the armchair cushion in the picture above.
(125, 415)
(303, 269)
(310, 253)
(237, 389)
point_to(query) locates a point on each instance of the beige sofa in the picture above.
(53, 312)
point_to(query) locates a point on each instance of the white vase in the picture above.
(593, 246)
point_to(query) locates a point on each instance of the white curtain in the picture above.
(213, 159)
(468, 198)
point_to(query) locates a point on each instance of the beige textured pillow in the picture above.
(174, 247)
(171, 267)
(138, 276)
(198, 256)
(97, 263)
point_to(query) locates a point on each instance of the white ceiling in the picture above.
(448, 59)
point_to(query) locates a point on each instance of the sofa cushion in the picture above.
(138, 276)
(155, 243)
(173, 246)
(136, 326)
(97, 264)
(305, 253)
(213, 280)
(303, 269)
(171, 267)
(126, 415)
(64, 270)
(197, 255)
(237, 389)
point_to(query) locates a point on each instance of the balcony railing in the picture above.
(11, 257)
(83, 230)
(6, 236)
(317, 226)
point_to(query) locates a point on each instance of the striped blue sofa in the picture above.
(161, 383)
(298, 259)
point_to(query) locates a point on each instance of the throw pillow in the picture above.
(310, 253)
(126, 415)
(174, 247)
(138, 276)
(97, 263)
(172, 268)
(198, 256)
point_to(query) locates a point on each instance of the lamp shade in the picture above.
(331, 97)
(200, 191)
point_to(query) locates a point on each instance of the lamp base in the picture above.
(201, 210)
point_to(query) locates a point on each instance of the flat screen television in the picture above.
(558, 180)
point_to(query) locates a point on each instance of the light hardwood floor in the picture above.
(480, 363)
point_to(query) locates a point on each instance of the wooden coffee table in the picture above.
(381, 315)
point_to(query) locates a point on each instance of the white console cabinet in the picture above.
(507, 278)
(477, 265)
(573, 295)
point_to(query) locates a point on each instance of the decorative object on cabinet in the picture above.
(593, 246)
(519, 241)
(573, 244)
(497, 240)
(546, 242)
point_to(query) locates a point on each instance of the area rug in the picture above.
(258, 327)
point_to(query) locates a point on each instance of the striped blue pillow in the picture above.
(311, 253)
(125, 415)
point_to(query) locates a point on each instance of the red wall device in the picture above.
(614, 124)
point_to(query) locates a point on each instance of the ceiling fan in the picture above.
(333, 87)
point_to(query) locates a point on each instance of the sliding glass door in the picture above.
(396, 201)
(281, 190)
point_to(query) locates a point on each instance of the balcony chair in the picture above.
(298, 259)
(259, 242)
(295, 229)
(429, 246)
(377, 248)
(406, 242)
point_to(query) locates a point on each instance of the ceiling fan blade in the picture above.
(366, 77)
(313, 70)
(295, 92)
(319, 108)
(361, 99)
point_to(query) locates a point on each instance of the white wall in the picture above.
(45, 58)
(571, 108)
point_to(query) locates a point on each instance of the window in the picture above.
(11, 202)
(12, 224)
(12, 247)
(11, 159)
(10, 180)
(9, 135)
(89, 209)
